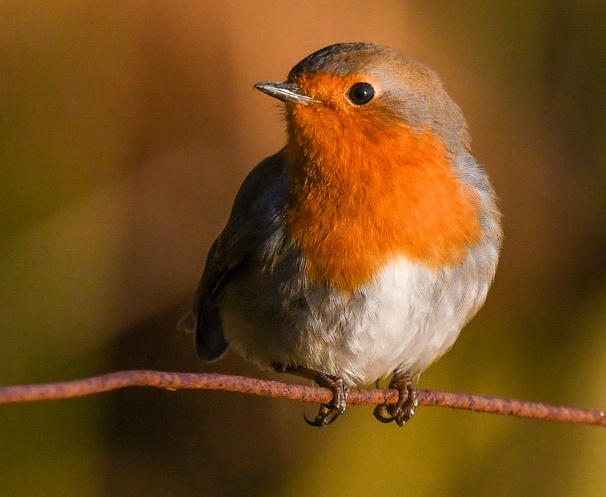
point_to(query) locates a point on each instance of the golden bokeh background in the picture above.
(125, 131)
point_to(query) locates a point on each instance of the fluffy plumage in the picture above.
(366, 244)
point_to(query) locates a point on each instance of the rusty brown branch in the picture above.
(179, 381)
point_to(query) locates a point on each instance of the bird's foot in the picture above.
(340, 391)
(331, 411)
(404, 409)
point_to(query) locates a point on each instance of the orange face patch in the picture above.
(365, 191)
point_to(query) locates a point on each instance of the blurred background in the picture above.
(125, 131)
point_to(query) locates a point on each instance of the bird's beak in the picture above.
(285, 91)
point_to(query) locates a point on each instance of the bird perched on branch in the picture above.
(364, 246)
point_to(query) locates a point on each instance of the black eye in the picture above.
(361, 93)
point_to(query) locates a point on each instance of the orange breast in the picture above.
(365, 191)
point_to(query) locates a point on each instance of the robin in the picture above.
(366, 244)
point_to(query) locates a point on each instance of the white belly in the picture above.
(405, 320)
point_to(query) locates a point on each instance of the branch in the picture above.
(179, 381)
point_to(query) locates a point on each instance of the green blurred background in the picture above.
(125, 131)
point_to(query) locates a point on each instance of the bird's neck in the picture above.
(359, 201)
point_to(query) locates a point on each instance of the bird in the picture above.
(361, 248)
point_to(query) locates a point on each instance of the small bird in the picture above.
(364, 246)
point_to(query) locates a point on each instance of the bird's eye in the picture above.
(361, 93)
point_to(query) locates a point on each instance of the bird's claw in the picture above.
(404, 409)
(326, 415)
(331, 411)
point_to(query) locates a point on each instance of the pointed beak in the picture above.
(286, 92)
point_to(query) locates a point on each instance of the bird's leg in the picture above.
(340, 391)
(404, 409)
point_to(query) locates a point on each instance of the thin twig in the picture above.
(179, 381)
